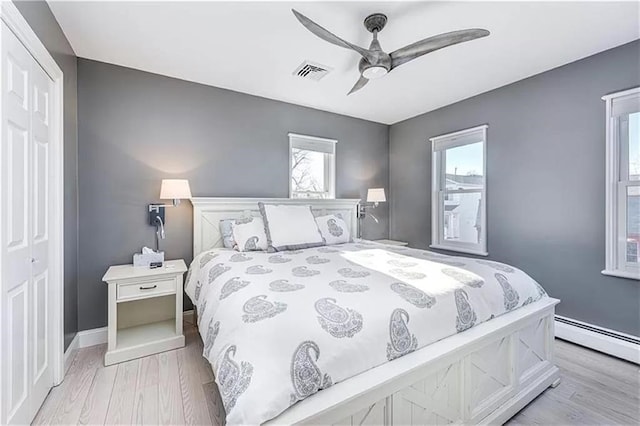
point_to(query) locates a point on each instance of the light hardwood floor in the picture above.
(177, 387)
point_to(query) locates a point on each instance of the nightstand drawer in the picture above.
(145, 289)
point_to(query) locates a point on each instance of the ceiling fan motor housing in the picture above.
(383, 60)
(375, 22)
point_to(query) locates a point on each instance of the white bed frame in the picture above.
(484, 375)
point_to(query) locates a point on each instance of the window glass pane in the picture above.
(308, 174)
(634, 146)
(464, 166)
(633, 225)
(462, 217)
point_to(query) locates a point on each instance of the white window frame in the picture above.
(616, 265)
(439, 144)
(328, 147)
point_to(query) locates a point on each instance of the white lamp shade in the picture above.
(175, 189)
(376, 195)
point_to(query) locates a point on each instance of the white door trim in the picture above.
(10, 15)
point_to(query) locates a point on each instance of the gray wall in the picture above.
(545, 160)
(44, 24)
(137, 128)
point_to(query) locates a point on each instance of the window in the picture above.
(312, 167)
(623, 184)
(458, 208)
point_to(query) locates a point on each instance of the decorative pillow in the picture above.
(249, 234)
(333, 229)
(290, 227)
(226, 229)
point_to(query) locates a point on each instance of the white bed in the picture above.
(482, 375)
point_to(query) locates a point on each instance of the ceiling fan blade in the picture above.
(428, 45)
(359, 85)
(331, 38)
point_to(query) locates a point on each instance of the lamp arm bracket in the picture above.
(155, 207)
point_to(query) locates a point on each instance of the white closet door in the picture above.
(25, 163)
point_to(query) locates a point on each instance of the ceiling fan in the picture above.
(375, 63)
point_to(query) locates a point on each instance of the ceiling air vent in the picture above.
(312, 71)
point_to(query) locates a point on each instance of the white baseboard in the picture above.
(68, 358)
(98, 336)
(601, 339)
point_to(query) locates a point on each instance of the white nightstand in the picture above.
(145, 310)
(392, 242)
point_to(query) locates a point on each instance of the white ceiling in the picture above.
(253, 47)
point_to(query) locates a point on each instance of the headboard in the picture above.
(208, 212)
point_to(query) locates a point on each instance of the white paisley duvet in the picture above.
(278, 328)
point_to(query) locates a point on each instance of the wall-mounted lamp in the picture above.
(374, 196)
(170, 189)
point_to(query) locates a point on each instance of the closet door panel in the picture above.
(41, 332)
(25, 166)
(15, 184)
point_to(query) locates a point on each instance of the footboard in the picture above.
(484, 375)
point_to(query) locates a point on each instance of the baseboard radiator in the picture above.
(611, 342)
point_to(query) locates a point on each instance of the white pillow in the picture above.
(249, 234)
(290, 227)
(333, 229)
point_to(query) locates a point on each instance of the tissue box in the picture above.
(144, 259)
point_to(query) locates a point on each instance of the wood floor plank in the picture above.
(145, 408)
(170, 392)
(196, 347)
(77, 389)
(120, 409)
(214, 404)
(96, 405)
(57, 394)
(193, 398)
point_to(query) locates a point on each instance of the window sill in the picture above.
(459, 249)
(622, 274)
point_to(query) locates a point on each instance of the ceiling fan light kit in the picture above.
(373, 72)
(376, 63)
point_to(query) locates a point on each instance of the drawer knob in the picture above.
(151, 287)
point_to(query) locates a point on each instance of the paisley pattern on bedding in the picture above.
(278, 328)
(497, 266)
(350, 273)
(212, 333)
(198, 290)
(284, 285)
(463, 277)
(328, 250)
(206, 259)
(258, 308)
(216, 271)
(413, 295)
(402, 341)
(231, 286)
(336, 320)
(303, 271)
(410, 275)
(240, 257)
(401, 263)
(258, 269)
(306, 377)
(334, 229)
(466, 315)
(278, 258)
(346, 287)
(232, 379)
(511, 297)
